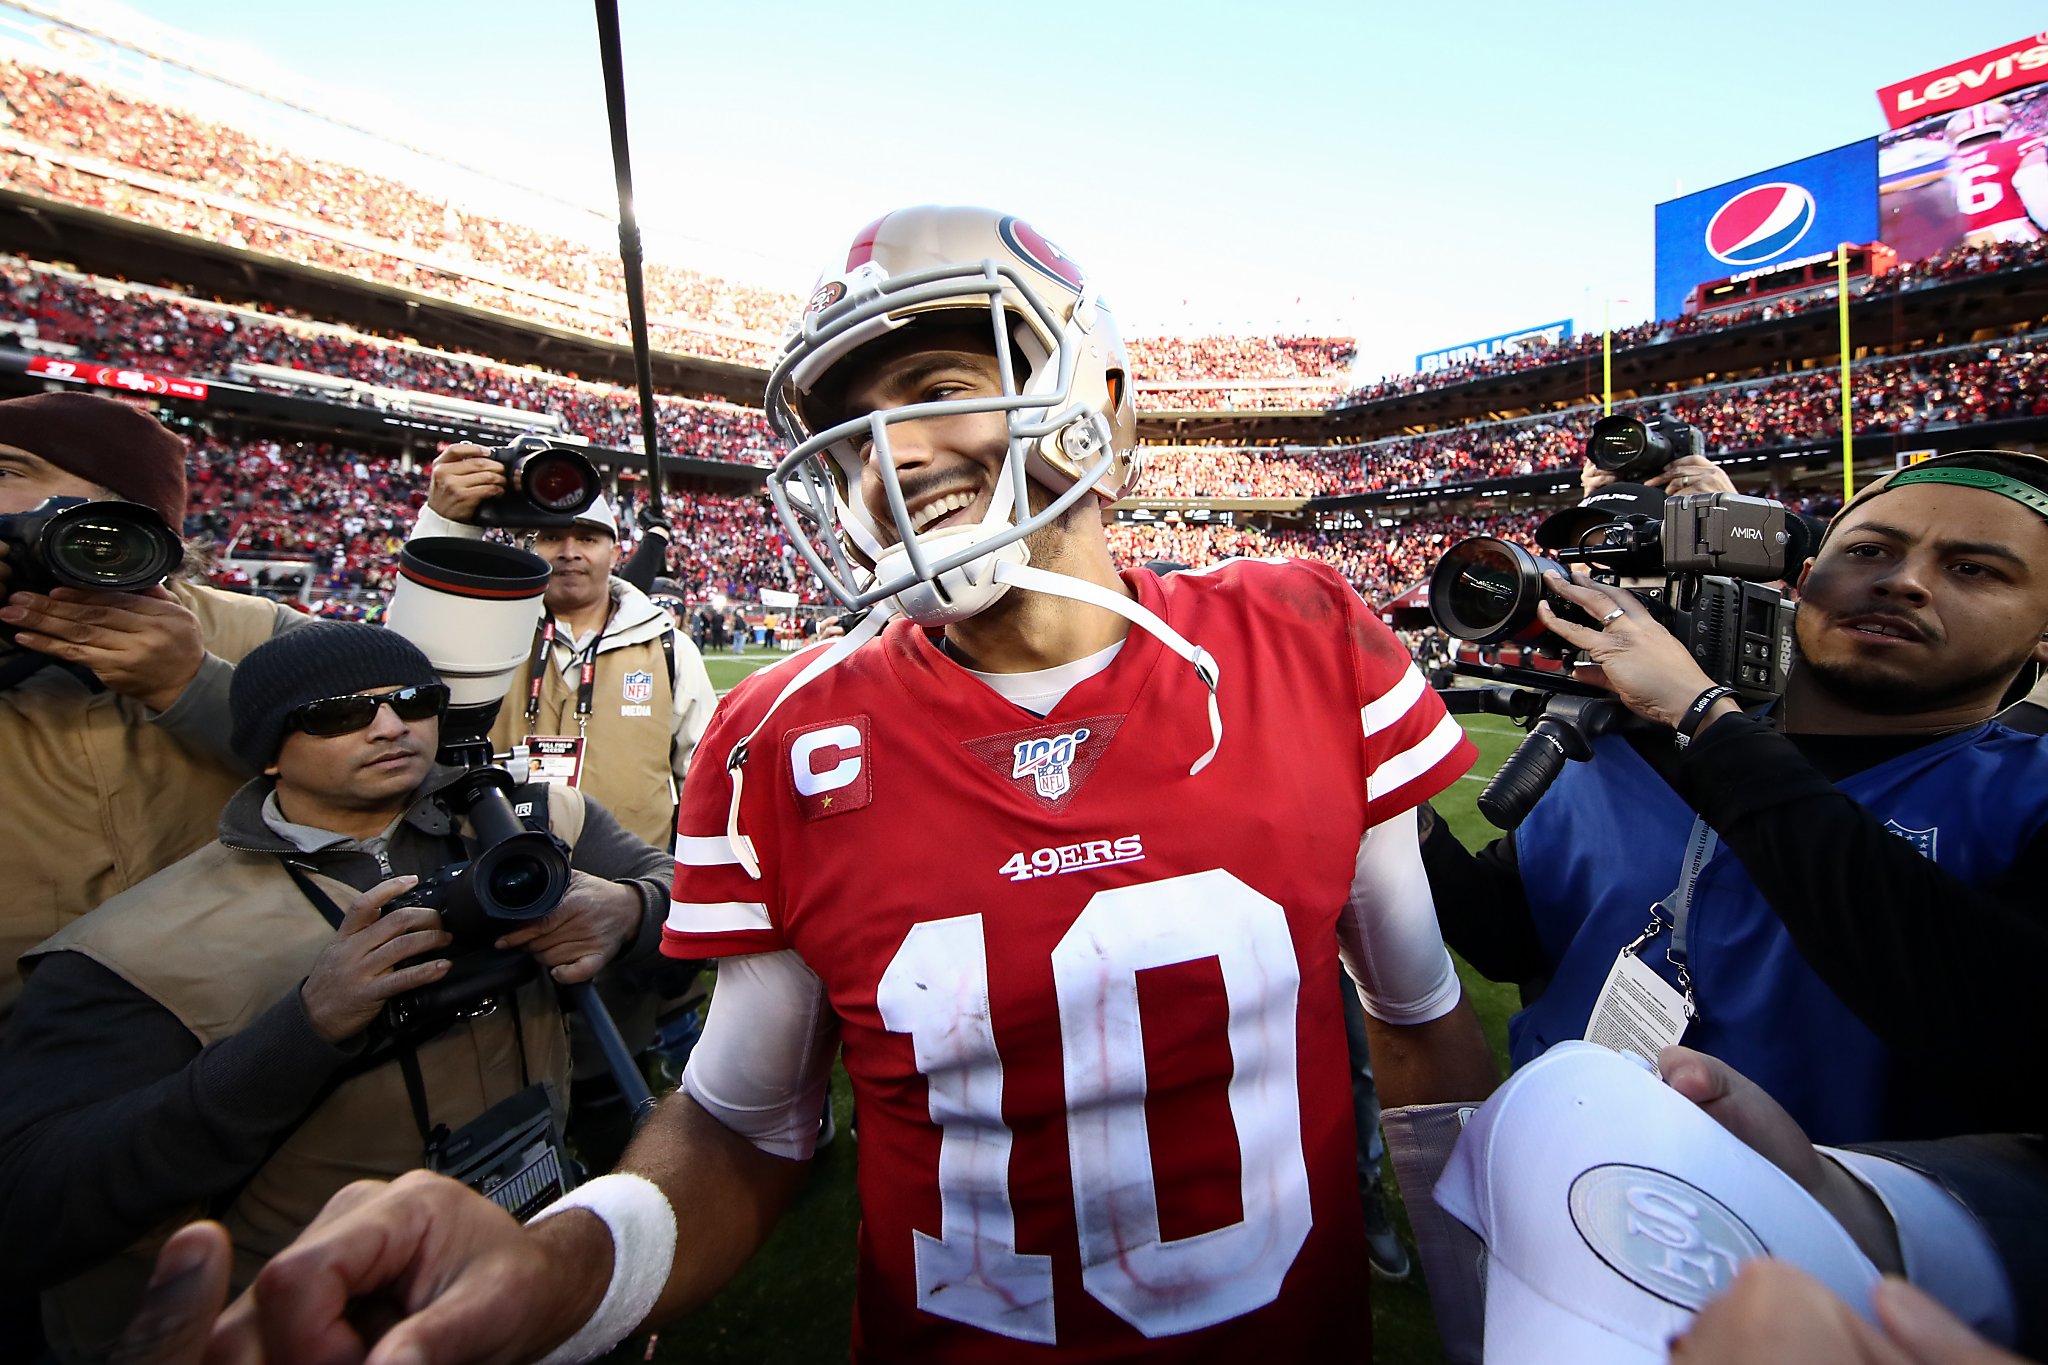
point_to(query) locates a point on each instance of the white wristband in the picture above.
(643, 1229)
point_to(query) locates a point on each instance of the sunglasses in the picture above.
(331, 716)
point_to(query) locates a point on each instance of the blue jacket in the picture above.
(1607, 841)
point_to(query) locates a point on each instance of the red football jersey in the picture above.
(1088, 1002)
(1983, 181)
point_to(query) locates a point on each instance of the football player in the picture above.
(1063, 858)
(2000, 182)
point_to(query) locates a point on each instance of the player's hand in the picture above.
(1748, 1112)
(359, 969)
(592, 925)
(1690, 474)
(146, 645)
(1632, 656)
(1777, 1314)
(464, 478)
(182, 1302)
(422, 1271)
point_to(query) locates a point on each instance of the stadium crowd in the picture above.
(1912, 393)
(135, 325)
(154, 329)
(1960, 262)
(1381, 561)
(176, 170)
(75, 140)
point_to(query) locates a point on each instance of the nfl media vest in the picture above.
(1607, 841)
(627, 765)
(97, 797)
(217, 940)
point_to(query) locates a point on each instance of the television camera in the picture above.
(1712, 556)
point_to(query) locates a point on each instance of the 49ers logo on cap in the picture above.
(828, 767)
(1039, 253)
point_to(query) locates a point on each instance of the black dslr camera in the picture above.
(546, 486)
(1717, 553)
(1634, 448)
(517, 876)
(107, 545)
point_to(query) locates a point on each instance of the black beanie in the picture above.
(104, 442)
(324, 659)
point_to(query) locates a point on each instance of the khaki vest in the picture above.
(217, 940)
(625, 758)
(97, 798)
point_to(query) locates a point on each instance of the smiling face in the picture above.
(1929, 598)
(947, 466)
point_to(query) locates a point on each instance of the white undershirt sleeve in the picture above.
(765, 1060)
(1388, 936)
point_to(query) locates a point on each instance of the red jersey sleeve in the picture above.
(1414, 748)
(716, 907)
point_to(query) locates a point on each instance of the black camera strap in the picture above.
(544, 659)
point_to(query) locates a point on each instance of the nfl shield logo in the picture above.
(1922, 839)
(639, 687)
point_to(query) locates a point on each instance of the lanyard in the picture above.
(543, 659)
(1699, 849)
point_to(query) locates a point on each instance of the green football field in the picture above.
(792, 1305)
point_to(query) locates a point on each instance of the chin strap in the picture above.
(1005, 571)
(735, 763)
(1095, 595)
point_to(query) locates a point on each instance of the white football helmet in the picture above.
(1066, 397)
(1988, 119)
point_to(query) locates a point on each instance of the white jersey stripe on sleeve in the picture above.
(701, 850)
(1413, 762)
(717, 917)
(1394, 704)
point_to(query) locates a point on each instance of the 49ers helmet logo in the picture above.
(828, 293)
(1039, 253)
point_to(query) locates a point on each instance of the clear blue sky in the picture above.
(1421, 174)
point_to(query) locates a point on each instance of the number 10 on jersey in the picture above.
(936, 990)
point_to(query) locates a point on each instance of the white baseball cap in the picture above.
(1613, 1209)
(599, 513)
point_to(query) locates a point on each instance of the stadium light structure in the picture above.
(630, 256)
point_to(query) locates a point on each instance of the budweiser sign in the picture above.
(117, 377)
(1966, 83)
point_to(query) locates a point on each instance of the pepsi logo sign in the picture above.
(1039, 253)
(1760, 224)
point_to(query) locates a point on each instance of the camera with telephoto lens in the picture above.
(1636, 448)
(472, 606)
(546, 486)
(1717, 554)
(101, 544)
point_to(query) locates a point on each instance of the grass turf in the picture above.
(793, 1303)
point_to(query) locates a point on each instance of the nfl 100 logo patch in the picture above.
(639, 687)
(1048, 762)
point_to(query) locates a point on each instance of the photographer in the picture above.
(639, 718)
(216, 1039)
(110, 702)
(1861, 863)
(612, 699)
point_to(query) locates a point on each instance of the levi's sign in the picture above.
(1965, 83)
